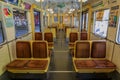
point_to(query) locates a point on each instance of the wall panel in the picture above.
(116, 57)
(4, 58)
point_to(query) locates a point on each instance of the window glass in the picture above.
(76, 22)
(101, 22)
(1, 33)
(37, 21)
(118, 33)
(84, 21)
(20, 22)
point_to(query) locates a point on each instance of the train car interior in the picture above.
(59, 40)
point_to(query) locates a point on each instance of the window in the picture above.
(76, 22)
(37, 21)
(85, 21)
(118, 33)
(101, 22)
(1, 33)
(20, 22)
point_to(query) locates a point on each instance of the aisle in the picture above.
(63, 68)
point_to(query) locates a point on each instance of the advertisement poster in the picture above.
(112, 1)
(99, 15)
(113, 16)
(66, 20)
(8, 16)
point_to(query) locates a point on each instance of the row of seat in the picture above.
(74, 37)
(68, 30)
(48, 36)
(32, 57)
(52, 30)
(90, 57)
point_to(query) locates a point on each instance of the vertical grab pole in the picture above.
(41, 16)
(80, 20)
(47, 13)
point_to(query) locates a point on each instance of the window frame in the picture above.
(2, 31)
(26, 18)
(118, 32)
(39, 20)
(101, 21)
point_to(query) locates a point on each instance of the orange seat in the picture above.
(28, 65)
(82, 50)
(23, 49)
(40, 49)
(84, 64)
(104, 64)
(37, 64)
(98, 49)
(17, 64)
(48, 36)
(83, 36)
(73, 37)
(38, 36)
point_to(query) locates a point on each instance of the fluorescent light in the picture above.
(72, 10)
(50, 9)
(52, 12)
(83, 0)
(69, 12)
(39, 0)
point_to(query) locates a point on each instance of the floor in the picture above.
(62, 68)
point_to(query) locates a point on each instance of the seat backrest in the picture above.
(82, 49)
(38, 36)
(98, 49)
(23, 49)
(48, 37)
(73, 36)
(39, 49)
(83, 36)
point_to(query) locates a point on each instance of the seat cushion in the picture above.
(37, 64)
(104, 64)
(18, 64)
(84, 64)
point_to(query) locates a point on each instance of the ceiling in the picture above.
(59, 6)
